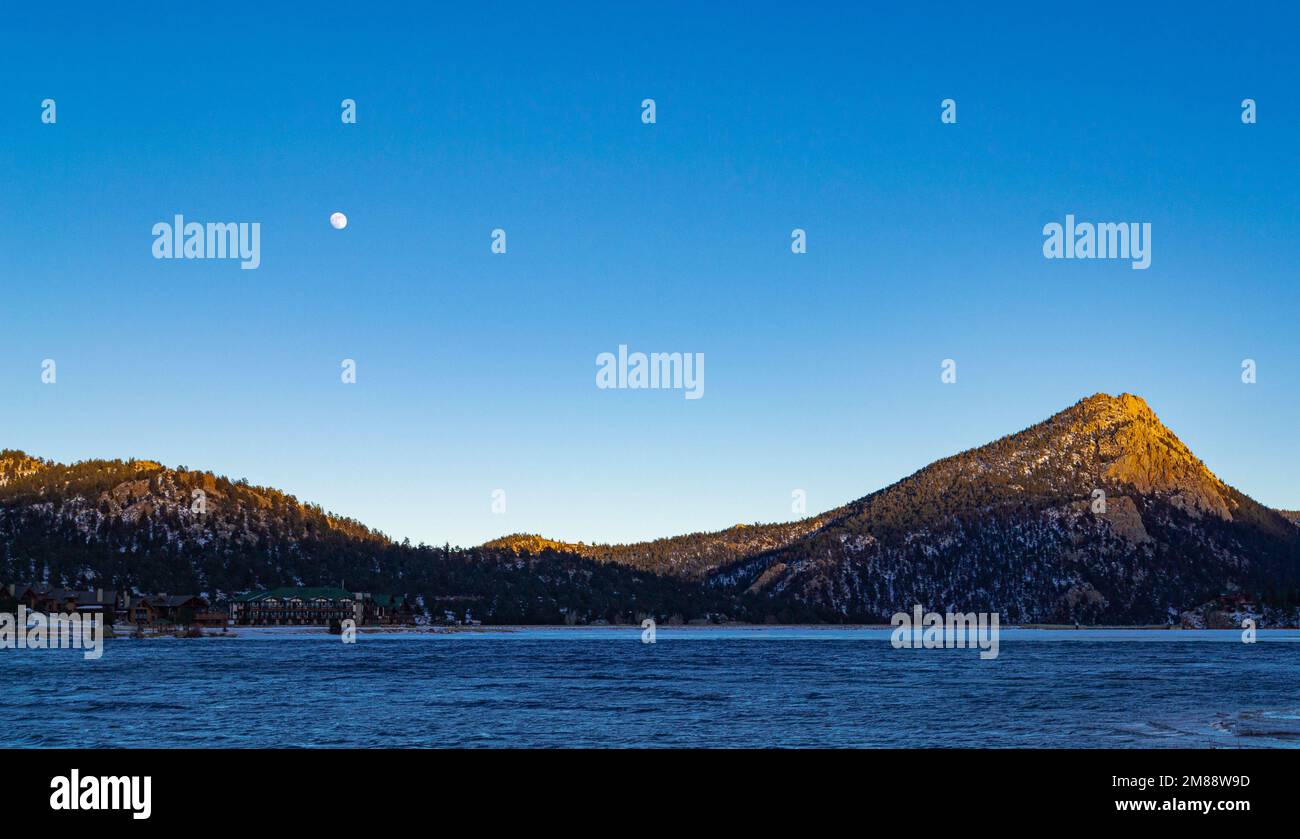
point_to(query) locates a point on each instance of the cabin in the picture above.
(24, 595)
(99, 601)
(386, 610)
(179, 609)
(65, 600)
(139, 611)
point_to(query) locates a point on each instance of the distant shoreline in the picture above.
(321, 629)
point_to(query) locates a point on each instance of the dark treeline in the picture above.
(494, 586)
(136, 525)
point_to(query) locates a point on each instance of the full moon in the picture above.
(338, 221)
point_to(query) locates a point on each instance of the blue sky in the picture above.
(476, 371)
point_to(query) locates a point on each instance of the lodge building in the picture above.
(321, 606)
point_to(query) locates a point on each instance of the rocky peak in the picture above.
(1136, 450)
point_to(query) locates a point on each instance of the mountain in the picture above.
(137, 525)
(691, 556)
(1015, 527)
(1010, 527)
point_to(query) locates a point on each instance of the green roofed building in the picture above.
(318, 606)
